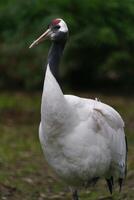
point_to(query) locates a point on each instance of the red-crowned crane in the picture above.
(82, 139)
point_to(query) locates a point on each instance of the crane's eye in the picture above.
(56, 27)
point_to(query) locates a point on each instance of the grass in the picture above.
(24, 174)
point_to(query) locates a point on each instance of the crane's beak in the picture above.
(41, 38)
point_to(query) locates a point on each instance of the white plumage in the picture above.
(82, 139)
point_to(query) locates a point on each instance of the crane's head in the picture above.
(57, 31)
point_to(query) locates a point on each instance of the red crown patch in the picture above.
(56, 21)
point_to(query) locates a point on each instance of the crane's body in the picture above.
(82, 139)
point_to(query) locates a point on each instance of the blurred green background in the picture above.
(99, 52)
(98, 62)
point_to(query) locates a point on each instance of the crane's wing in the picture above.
(118, 143)
(112, 128)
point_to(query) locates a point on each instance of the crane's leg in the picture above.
(75, 195)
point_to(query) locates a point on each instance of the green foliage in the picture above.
(100, 47)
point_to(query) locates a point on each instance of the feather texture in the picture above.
(82, 138)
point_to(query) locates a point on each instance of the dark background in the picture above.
(99, 53)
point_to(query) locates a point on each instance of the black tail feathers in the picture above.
(110, 183)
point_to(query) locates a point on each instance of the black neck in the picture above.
(54, 56)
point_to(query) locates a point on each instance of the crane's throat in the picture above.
(54, 56)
